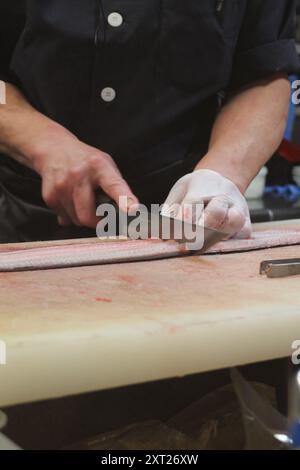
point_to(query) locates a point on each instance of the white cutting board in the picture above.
(83, 329)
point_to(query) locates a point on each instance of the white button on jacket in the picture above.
(115, 19)
(108, 94)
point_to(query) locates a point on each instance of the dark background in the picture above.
(12, 18)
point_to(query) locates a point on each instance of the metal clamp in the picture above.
(281, 268)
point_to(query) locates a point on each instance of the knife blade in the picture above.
(196, 238)
(145, 224)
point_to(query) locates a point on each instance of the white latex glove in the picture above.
(225, 208)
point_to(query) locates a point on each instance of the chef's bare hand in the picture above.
(222, 205)
(71, 172)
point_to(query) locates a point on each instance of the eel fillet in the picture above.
(98, 252)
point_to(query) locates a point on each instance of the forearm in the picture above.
(71, 171)
(248, 131)
(22, 128)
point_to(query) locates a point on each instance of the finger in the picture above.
(172, 203)
(191, 209)
(215, 213)
(245, 232)
(57, 193)
(235, 223)
(64, 220)
(109, 178)
(85, 204)
(193, 205)
(52, 201)
(66, 200)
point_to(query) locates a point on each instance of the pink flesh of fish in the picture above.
(97, 252)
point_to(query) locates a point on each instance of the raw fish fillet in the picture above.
(89, 252)
(259, 241)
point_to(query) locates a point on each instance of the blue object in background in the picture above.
(295, 435)
(288, 192)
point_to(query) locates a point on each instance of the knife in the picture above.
(195, 238)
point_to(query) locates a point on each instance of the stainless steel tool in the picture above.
(280, 268)
(196, 239)
(199, 238)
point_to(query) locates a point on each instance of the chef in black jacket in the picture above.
(141, 98)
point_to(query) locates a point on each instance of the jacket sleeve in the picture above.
(266, 43)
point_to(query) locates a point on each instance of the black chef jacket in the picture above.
(143, 79)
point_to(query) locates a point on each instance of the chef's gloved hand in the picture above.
(224, 207)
